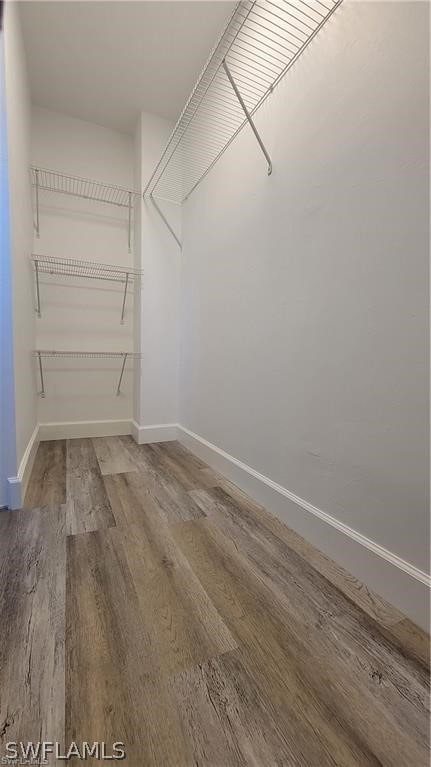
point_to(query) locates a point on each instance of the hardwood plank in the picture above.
(132, 495)
(245, 518)
(163, 483)
(183, 465)
(411, 640)
(182, 455)
(213, 479)
(88, 507)
(184, 624)
(32, 606)
(138, 453)
(299, 586)
(112, 456)
(248, 517)
(317, 735)
(47, 484)
(114, 689)
(311, 674)
(228, 721)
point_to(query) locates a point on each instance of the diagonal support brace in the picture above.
(37, 222)
(165, 220)
(121, 374)
(123, 308)
(42, 382)
(38, 311)
(248, 116)
(129, 223)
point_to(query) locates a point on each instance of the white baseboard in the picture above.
(27, 462)
(15, 495)
(163, 432)
(399, 582)
(43, 432)
(17, 486)
(80, 429)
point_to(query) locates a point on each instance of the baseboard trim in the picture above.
(44, 432)
(27, 461)
(17, 486)
(15, 495)
(81, 429)
(401, 583)
(162, 432)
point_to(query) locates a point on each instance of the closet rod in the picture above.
(261, 41)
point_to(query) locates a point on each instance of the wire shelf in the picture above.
(63, 354)
(261, 41)
(62, 183)
(43, 354)
(70, 267)
(88, 189)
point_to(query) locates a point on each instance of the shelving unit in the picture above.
(260, 43)
(88, 189)
(42, 354)
(68, 267)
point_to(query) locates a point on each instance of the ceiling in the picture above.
(107, 61)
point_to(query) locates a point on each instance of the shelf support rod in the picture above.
(130, 222)
(37, 203)
(42, 391)
(124, 298)
(36, 265)
(248, 116)
(121, 374)
(165, 221)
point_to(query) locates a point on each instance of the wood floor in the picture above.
(144, 599)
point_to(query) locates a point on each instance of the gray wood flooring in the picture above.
(145, 599)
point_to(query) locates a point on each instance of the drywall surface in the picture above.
(21, 227)
(83, 314)
(8, 465)
(304, 294)
(159, 323)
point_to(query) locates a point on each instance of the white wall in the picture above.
(304, 302)
(21, 227)
(8, 465)
(159, 328)
(83, 314)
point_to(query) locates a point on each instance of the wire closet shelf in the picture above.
(261, 41)
(89, 189)
(69, 267)
(43, 179)
(43, 354)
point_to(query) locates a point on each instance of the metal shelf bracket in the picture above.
(247, 114)
(165, 221)
(130, 222)
(126, 282)
(36, 185)
(42, 383)
(40, 354)
(121, 374)
(36, 271)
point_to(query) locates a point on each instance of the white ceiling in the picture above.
(106, 61)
